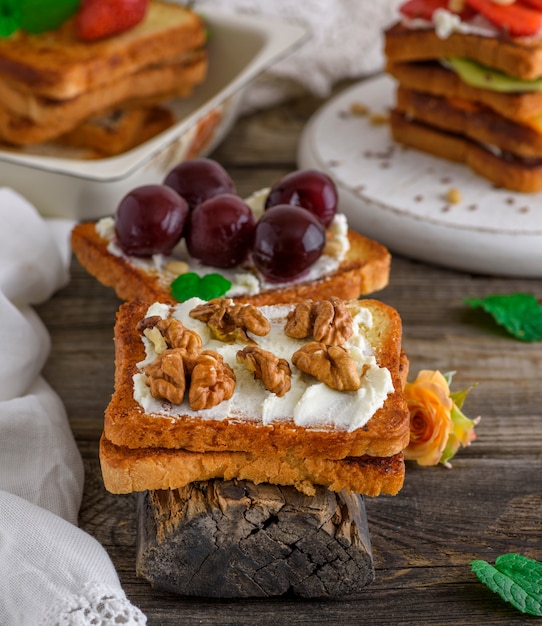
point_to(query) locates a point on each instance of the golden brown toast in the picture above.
(172, 75)
(385, 433)
(49, 119)
(365, 269)
(119, 130)
(518, 57)
(508, 172)
(475, 122)
(125, 470)
(57, 65)
(433, 78)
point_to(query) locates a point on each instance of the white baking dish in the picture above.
(240, 48)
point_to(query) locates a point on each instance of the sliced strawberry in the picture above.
(535, 4)
(424, 9)
(516, 19)
(97, 19)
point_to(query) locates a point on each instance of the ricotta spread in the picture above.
(446, 23)
(311, 403)
(245, 280)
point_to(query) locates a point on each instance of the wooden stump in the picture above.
(234, 539)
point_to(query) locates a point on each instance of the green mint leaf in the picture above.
(39, 16)
(516, 578)
(519, 313)
(213, 286)
(10, 17)
(190, 285)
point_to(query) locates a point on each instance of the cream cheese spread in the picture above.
(311, 403)
(446, 23)
(245, 280)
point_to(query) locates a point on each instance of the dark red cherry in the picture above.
(150, 220)
(199, 179)
(311, 189)
(288, 240)
(221, 231)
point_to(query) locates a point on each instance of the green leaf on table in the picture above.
(519, 313)
(516, 578)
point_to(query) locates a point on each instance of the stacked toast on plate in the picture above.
(104, 95)
(469, 86)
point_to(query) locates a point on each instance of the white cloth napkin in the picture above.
(346, 41)
(51, 572)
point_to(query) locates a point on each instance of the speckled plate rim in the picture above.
(503, 235)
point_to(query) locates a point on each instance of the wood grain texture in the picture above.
(235, 539)
(423, 539)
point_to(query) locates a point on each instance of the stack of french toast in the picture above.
(469, 85)
(255, 398)
(298, 383)
(104, 95)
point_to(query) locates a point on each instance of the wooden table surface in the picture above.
(424, 538)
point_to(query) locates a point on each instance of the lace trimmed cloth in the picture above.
(96, 605)
(53, 573)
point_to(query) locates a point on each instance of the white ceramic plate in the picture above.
(240, 48)
(398, 195)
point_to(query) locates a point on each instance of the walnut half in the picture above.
(166, 376)
(328, 321)
(212, 381)
(230, 321)
(274, 372)
(171, 333)
(331, 365)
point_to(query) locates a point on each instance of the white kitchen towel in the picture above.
(52, 572)
(345, 42)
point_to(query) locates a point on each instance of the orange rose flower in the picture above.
(437, 426)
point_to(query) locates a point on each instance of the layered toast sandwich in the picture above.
(292, 383)
(307, 394)
(52, 82)
(469, 78)
(349, 265)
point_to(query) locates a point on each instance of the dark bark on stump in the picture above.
(234, 539)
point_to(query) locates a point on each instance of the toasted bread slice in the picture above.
(240, 426)
(433, 78)
(172, 75)
(473, 121)
(51, 118)
(119, 130)
(57, 65)
(521, 58)
(125, 470)
(507, 171)
(364, 270)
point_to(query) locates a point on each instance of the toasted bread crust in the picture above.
(126, 470)
(434, 79)
(518, 57)
(119, 130)
(512, 174)
(364, 270)
(126, 423)
(50, 119)
(57, 65)
(475, 122)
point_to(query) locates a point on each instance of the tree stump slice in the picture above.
(234, 539)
